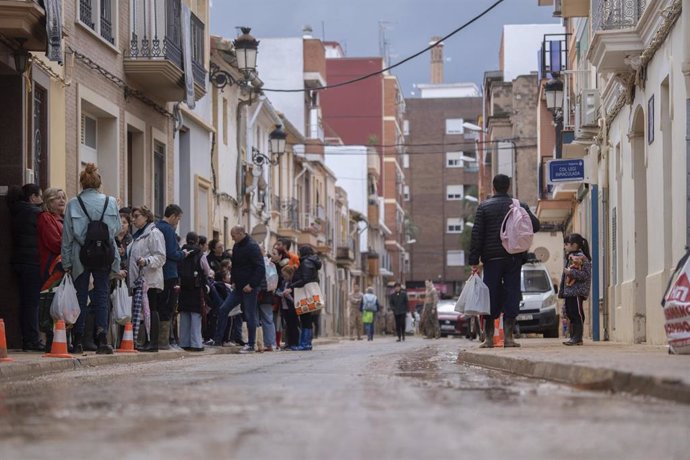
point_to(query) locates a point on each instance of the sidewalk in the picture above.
(638, 369)
(28, 365)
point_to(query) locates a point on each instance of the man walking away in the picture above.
(173, 255)
(355, 315)
(501, 269)
(399, 305)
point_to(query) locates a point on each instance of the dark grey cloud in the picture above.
(409, 26)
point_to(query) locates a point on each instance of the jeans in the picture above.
(369, 330)
(29, 296)
(190, 330)
(502, 277)
(269, 329)
(248, 301)
(98, 296)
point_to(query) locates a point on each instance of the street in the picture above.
(351, 400)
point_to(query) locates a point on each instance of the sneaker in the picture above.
(230, 343)
(247, 349)
(211, 343)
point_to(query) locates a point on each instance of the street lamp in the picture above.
(21, 57)
(277, 139)
(553, 90)
(246, 48)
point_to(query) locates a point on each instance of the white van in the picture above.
(539, 305)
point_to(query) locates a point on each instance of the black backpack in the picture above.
(97, 253)
(190, 272)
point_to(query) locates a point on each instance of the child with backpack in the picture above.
(369, 307)
(575, 283)
(193, 271)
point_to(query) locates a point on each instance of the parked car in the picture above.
(450, 321)
(539, 305)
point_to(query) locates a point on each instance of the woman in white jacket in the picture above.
(146, 254)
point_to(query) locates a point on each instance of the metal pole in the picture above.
(594, 191)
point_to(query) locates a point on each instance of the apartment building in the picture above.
(627, 102)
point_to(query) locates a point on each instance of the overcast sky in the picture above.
(409, 25)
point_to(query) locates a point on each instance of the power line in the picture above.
(419, 152)
(386, 69)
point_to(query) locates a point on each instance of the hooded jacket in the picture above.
(486, 233)
(307, 272)
(149, 245)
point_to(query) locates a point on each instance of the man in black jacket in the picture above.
(399, 305)
(501, 269)
(247, 272)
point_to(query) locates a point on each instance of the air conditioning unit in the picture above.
(587, 108)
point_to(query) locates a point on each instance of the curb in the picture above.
(584, 377)
(49, 366)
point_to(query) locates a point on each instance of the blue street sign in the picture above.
(566, 171)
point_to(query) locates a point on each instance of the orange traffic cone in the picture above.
(59, 347)
(127, 344)
(3, 344)
(498, 332)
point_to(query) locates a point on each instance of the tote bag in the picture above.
(308, 298)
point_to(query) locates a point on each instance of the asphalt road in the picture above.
(352, 400)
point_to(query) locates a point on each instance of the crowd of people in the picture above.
(189, 296)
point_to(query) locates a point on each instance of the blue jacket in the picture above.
(74, 229)
(247, 264)
(173, 252)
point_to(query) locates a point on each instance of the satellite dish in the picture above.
(542, 254)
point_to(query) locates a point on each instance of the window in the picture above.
(454, 160)
(455, 192)
(455, 258)
(89, 140)
(406, 160)
(158, 179)
(455, 225)
(99, 16)
(406, 127)
(406, 193)
(454, 126)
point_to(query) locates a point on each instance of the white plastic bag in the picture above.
(65, 305)
(478, 300)
(122, 304)
(271, 275)
(469, 286)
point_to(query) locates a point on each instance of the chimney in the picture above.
(307, 32)
(436, 61)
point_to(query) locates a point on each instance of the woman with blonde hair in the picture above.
(146, 256)
(49, 229)
(84, 256)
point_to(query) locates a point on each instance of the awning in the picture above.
(554, 210)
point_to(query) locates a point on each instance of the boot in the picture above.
(89, 328)
(489, 331)
(152, 345)
(164, 336)
(77, 347)
(509, 341)
(103, 347)
(576, 339)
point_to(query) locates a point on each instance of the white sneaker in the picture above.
(247, 349)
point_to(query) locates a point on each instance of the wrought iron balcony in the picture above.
(616, 14)
(154, 57)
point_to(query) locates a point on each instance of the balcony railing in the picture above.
(616, 14)
(107, 21)
(289, 214)
(156, 34)
(86, 13)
